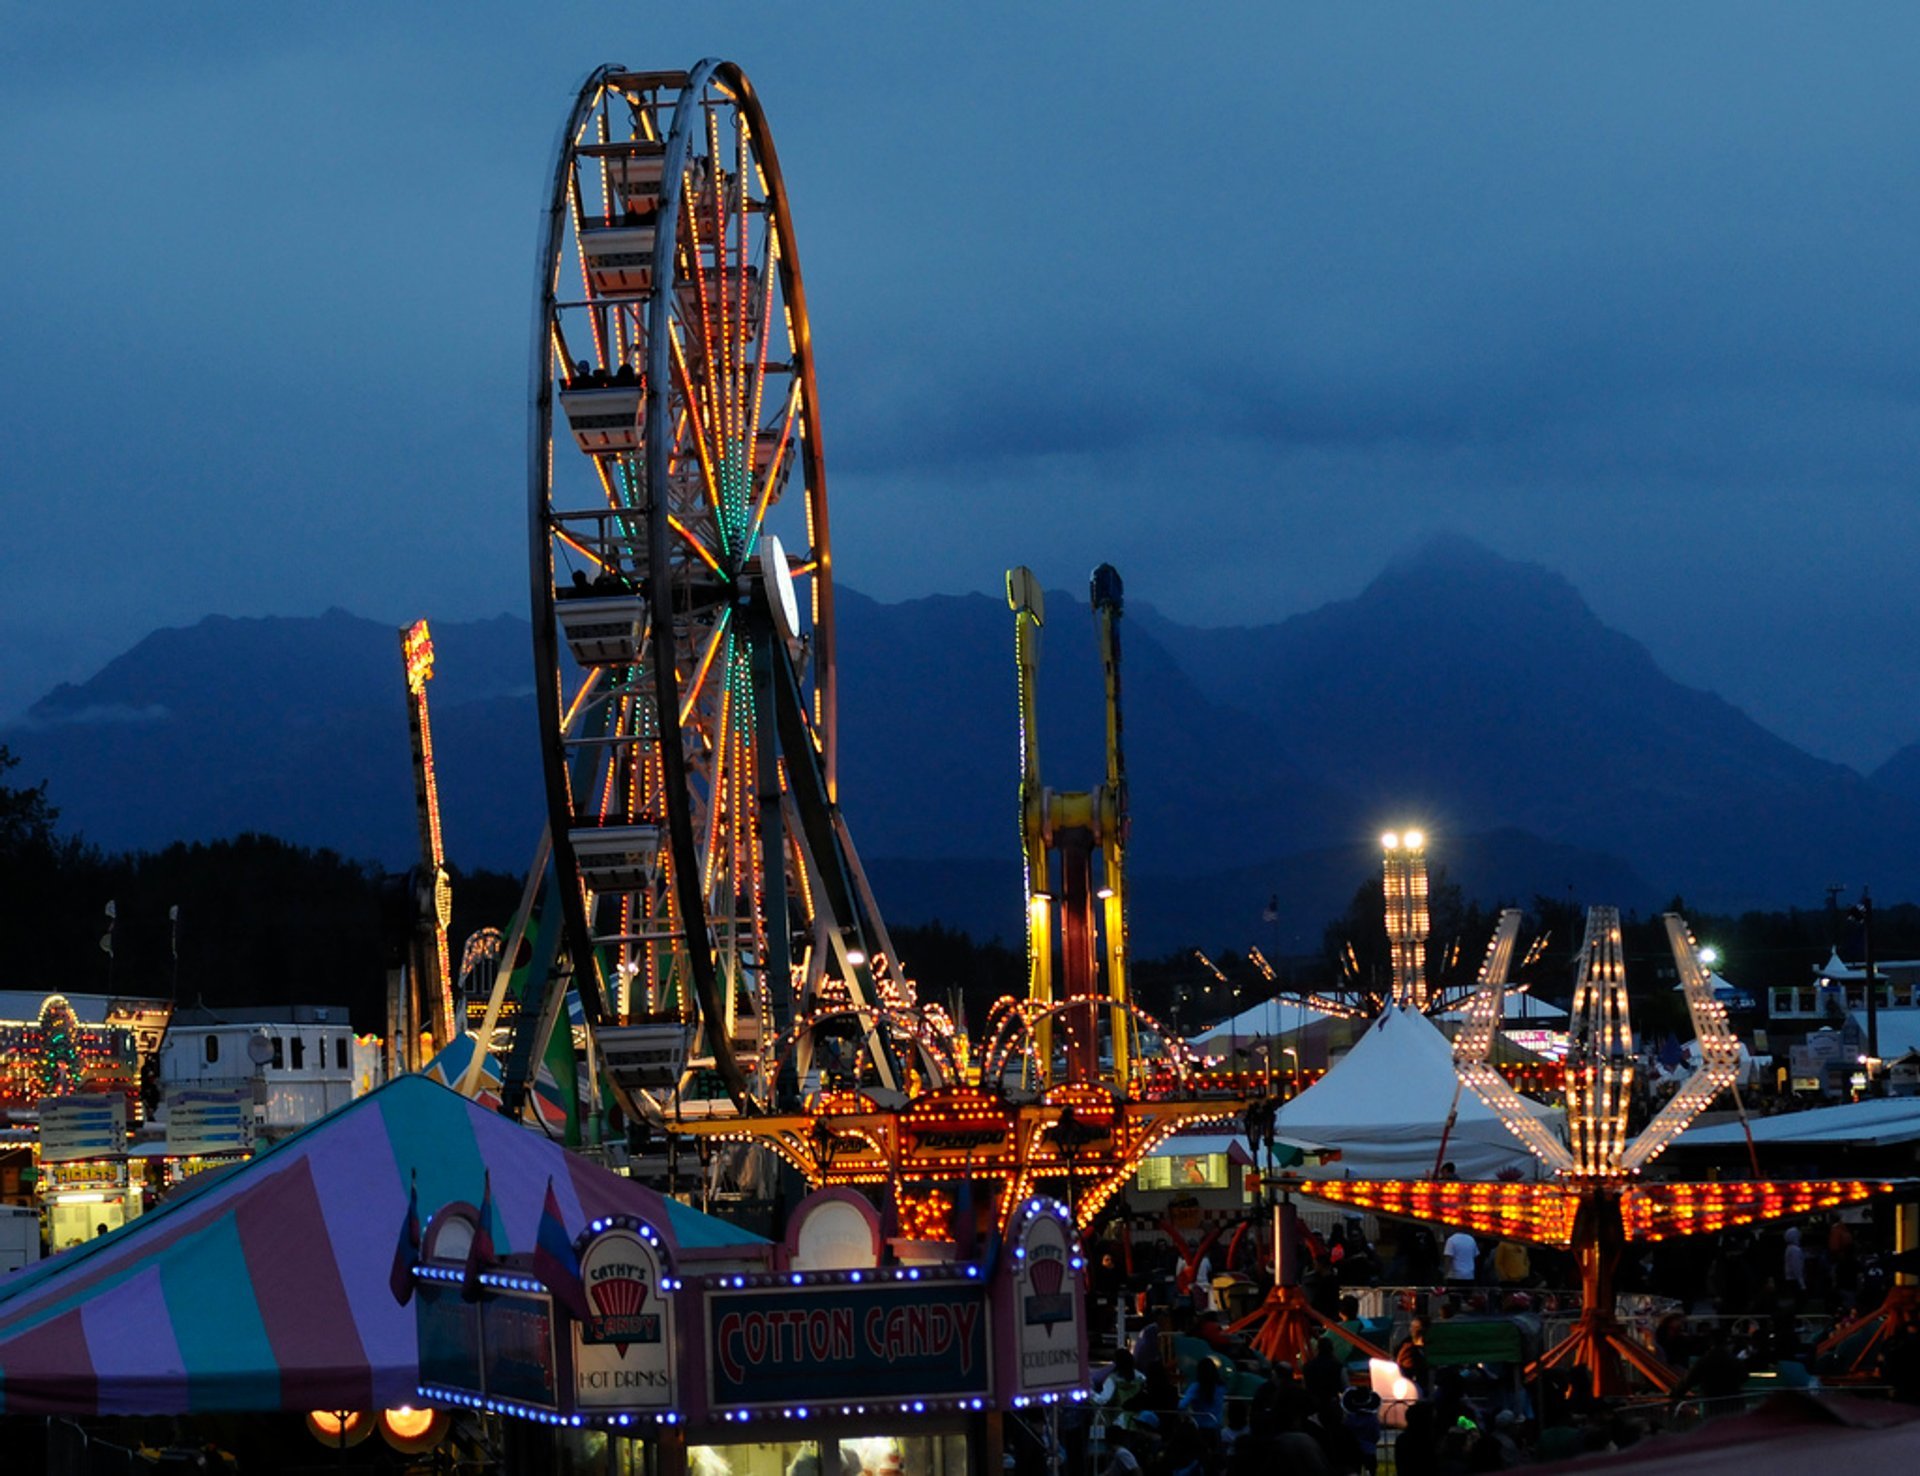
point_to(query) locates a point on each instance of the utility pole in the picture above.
(1865, 909)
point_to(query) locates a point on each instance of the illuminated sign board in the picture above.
(815, 1344)
(623, 1354)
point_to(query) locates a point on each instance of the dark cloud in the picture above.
(1244, 297)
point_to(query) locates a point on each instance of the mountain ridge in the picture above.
(1477, 695)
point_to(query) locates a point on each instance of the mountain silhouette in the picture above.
(1472, 694)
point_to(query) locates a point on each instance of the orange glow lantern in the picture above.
(412, 1431)
(339, 1428)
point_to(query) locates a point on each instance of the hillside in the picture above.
(1546, 752)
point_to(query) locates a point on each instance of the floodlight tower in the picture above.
(1405, 872)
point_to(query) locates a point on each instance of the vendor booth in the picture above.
(903, 1369)
(675, 1341)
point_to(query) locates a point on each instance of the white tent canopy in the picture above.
(1385, 1106)
(1262, 1022)
(1874, 1123)
(1517, 1007)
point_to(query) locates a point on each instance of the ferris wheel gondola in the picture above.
(682, 581)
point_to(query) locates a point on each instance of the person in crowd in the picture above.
(1205, 1397)
(1718, 1373)
(1360, 1411)
(1462, 1253)
(1329, 1428)
(1793, 1264)
(1185, 1452)
(1511, 1264)
(1112, 1394)
(1283, 1398)
(1211, 1331)
(1324, 1376)
(1234, 1431)
(1421, 1257)
(1361, 1266)
(1411, 1356)
(1417, 1451)
(1158, 1396)
(1672, 1341)
(1203, 1284)
(1493, 1447)
(1322, 1285)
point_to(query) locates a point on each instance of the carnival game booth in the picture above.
(832, 1355)
(269, 1287)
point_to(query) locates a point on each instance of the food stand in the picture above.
(825, 1359)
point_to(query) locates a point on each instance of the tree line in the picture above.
(256, 920)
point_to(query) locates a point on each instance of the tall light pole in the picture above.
(1404, 872)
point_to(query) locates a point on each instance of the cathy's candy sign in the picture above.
(623, 1355)
(1048, 1317)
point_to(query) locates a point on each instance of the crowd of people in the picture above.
(1182, 1393)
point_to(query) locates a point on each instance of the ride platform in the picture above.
(1079, 1137)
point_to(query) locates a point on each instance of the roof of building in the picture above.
(200, 1017)
(1836, 968)
(24, 1006)
(1876, 1122)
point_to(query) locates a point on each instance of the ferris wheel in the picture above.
(682, 583)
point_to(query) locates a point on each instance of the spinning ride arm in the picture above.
(1473, 1051)
(1719, 1052)
(1600, 1086)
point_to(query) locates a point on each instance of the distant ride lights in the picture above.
(1404, 867)
(1597, 1201)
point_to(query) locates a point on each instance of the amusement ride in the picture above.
(698, 924)
(699, 921)
(1597, 1201)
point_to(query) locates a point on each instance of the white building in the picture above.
(297, 1062)
(1839, 988)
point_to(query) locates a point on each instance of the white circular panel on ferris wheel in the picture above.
(674, 434)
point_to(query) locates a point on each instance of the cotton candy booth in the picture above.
(829, 1353)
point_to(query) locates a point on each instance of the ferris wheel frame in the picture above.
(819, 728)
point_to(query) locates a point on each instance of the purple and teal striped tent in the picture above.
(266, 1287)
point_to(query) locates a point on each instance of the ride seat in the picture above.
(604, 418)
(601, 629)
(619, 258)
(617, 858)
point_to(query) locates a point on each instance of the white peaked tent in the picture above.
(1264, 1021)
(1385, 1106)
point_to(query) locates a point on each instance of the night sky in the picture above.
(1243, 299)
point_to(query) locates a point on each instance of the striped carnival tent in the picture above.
(266, 1286)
